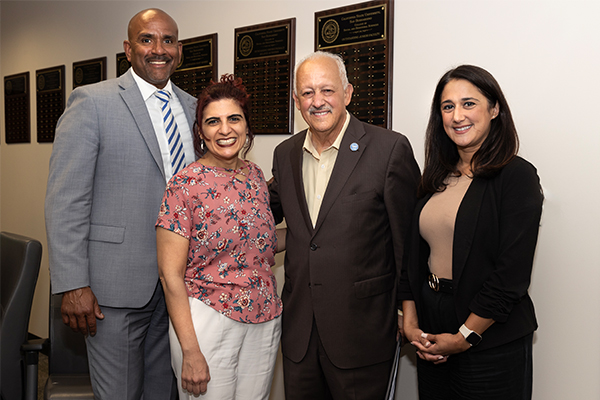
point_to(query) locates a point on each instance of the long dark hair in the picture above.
(228, 87)
(441, 153)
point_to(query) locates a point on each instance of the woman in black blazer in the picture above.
(470, 252)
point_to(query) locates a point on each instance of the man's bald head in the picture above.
(145, 15)
(152, 47)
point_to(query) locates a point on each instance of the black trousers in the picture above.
(504, 372)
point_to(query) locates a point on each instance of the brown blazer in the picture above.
(342, 274)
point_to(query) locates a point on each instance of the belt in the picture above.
(438, 284)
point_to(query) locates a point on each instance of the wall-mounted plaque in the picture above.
(16, 108)
(50, 83)
(89, 71)
(198, 65)
(362, 34)
(122, 64)
(264, 59)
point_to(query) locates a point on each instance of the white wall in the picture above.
(545, 54)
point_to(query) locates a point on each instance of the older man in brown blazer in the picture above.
(346, 190)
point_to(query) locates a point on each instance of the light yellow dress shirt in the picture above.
(317, 168)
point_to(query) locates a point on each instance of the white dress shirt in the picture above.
(153, 104)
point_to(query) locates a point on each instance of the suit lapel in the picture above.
(296, 162)
(465, 225)
(344, 166)
(189, 105)
(133, 99)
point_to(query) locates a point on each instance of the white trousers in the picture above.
(240, 356)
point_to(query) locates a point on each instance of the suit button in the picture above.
(313, 246)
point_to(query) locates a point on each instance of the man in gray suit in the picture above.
(109, 167)
(346, 190)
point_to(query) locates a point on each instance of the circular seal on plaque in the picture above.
(246, 46)
(41, 82)
(123, 66)
(8, 87)
(330, 31)
(78, 76)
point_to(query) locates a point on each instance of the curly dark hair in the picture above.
(228, 87)
(441, 153)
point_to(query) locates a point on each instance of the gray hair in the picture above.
(324, 54)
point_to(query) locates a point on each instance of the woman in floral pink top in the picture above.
(216, 242)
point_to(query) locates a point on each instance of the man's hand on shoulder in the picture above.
(80, 309)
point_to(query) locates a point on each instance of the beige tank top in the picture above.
(436, 224)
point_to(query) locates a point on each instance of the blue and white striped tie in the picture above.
(173, 136)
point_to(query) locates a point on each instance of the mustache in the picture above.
(312, 109)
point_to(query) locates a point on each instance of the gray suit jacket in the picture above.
(342, 274)
(104, 190)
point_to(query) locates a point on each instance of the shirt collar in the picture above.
(148, 89)
(308, 144)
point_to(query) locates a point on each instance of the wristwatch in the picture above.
(472, 337)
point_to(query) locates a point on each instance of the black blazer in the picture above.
(342, 274)
(495, 236)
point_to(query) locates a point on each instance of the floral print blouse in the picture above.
(231, 231)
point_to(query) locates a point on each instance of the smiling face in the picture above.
(224, 130)
(321, 97)
(467, 115)
(152, 47)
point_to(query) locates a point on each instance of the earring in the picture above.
(202, 145)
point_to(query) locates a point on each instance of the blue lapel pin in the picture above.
(354, 146)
